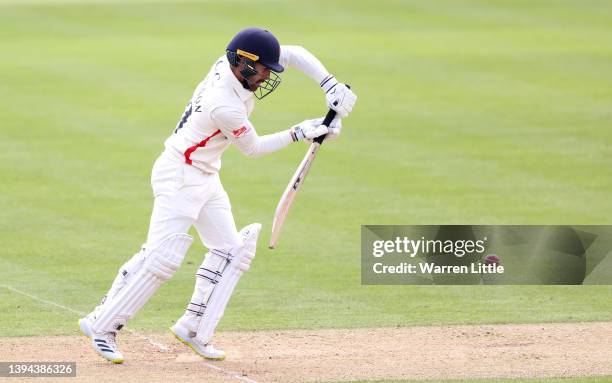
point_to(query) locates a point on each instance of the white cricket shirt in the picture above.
(218, 115)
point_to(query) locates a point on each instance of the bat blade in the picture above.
(286, 201)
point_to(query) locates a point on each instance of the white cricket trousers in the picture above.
(186, 196)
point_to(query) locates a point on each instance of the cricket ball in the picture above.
(492, 259)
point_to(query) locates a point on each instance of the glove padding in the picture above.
(334, 129)
(311, 129)
(339, 97)
(308, 129)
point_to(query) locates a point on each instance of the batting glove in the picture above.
(308, 129)
(339, 97)
(334, 129)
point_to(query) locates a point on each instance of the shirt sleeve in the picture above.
(234, 125)
(294, 56)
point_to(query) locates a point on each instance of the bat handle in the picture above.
(329, 117)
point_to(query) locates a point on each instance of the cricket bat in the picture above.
(286, 201)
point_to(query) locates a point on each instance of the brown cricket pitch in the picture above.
(336, 355)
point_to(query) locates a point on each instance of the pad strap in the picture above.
(240, 261)
(159, 266)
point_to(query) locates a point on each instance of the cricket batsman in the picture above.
(188, 191)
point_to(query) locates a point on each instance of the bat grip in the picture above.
(328, 119)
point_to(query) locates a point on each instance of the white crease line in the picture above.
(151, 341)
(233, 374)
(158, 345)
(43, 300)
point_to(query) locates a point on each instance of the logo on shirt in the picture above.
(240, 132)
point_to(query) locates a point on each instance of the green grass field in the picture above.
(471, 112)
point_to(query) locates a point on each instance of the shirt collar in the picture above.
(244, 94)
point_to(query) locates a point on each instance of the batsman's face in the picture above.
(262, 75)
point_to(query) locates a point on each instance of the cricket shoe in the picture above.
(103, 343)
(206, 351)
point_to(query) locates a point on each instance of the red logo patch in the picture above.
(240, 132)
